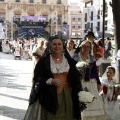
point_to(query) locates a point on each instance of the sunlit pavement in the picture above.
(15, 86)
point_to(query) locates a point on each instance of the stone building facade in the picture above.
(55, 12)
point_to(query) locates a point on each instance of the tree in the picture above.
(116, 17)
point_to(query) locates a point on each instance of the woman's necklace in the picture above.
(57, 58)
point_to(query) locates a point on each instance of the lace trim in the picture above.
(61, 67)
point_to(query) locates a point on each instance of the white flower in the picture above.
(85, 97)
(118, 85)
(80, 65)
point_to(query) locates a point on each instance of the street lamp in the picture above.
(103, 27)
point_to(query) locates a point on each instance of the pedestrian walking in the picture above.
(108, 81)
(95, 50)
(57, 82)
(108, 47)
(91, 81)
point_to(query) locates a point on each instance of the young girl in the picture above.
(108, 92)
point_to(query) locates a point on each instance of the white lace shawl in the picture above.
(61, 67)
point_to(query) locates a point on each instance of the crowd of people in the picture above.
(56, 80)
(22, 48)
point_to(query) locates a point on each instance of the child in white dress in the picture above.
(108, 92)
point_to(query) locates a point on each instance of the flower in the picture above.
(117, 91)
(36, 55)
(117, 85)
(81, 65)
(85, 97)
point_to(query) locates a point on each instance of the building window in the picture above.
(16, 18)
(45, 17)
(59, 19)
(98, 26)
(87, 4)
(17, 0)
(59, 2)
(91, 26)
(31, 1)
(106, 24)
(85, 28)
(91, 2)
(85, 17)
(79, 19)
(44, 1)
(73, 27)
(106, 10)
(2, 17)
(98, 15)
(79, 27)
(73, 19)
(92, 16)
(1, 0)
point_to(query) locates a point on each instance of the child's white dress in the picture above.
(111, 105)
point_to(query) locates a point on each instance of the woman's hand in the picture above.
(56, 82)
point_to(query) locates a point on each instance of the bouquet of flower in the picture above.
(36, 55)
(85, 97)
(117, 86)
(81, 66)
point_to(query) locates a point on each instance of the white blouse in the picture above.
(61, 67)
(58, 68)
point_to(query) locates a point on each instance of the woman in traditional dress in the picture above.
(38, 50)
(95, 110)
(109, 79)
(57, 84)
